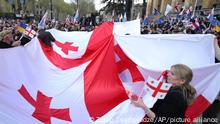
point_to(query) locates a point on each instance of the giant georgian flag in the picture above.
(75, 81)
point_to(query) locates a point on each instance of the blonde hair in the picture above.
(184, 73)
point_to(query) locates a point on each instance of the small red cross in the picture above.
(156, 89)
(29, 32)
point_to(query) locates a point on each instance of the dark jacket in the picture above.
(171, 109)
(4, 45)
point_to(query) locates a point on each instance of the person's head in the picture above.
(180, 76)
(6, 36)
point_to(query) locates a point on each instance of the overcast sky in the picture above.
(98, 6)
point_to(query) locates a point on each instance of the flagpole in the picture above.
(51, 10)
(194, 9)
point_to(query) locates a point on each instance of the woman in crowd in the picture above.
(180, 95)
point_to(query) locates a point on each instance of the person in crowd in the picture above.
(217, 48)
(214, 109)
(5, 40)
(177, 99)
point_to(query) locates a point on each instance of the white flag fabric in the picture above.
(155, 88)
(77, 40)
(28, 66)
(159, 52)
(168, 9)
(42, 22)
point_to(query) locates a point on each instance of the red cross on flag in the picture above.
(70, 45)
(157, 89)
(29, 32)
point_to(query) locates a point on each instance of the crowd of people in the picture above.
(10, 36)
(169, 25)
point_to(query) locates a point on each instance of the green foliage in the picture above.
(117, 5)
(85, 7)
(59, 7)
(4, 6)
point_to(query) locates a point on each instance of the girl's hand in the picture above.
(139, 103)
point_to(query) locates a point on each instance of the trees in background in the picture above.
(119, 6)
(85, 6)
(60, 8)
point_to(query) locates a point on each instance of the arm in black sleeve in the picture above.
(173, 105)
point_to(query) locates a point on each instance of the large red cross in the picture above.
(65, 47)
(43, 112)
(156, 89)
(126, 63)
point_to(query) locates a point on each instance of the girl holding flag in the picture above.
(172, 108)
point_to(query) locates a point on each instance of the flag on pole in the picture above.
(177, 7)
(156, 12)
(23, 28)
(168, 9)
(146, 21)
(210, 17)
(182, 12)
(30, 32)
(67, 19)
(42, 23)
(76, 17)
(113, 15)
(125, 17)
(121, 18)
(157, 88)
(189, 10)
(138, 15)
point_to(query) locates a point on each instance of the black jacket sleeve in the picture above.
(173, 106)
